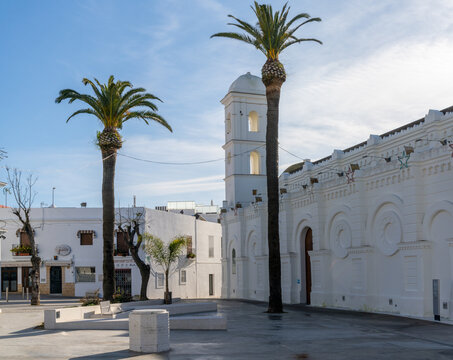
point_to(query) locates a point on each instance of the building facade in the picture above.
(367, 228)
(69, 242)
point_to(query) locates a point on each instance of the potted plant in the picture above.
(21, 250)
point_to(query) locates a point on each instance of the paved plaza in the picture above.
(301, 333)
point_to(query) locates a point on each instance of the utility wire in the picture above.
(187, 163)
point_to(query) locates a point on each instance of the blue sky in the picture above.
(383, 64)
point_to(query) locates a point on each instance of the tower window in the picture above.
(254, 163)
(253, 121)
(229, 158)
(228, 123)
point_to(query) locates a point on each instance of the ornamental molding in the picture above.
(416, 245)
(318, 253)
(62, 250)
(80, 232)
(340, 238)
(361, 250)
(388, 232)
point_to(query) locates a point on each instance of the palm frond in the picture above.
(113, 104)
(272, 33)
(83, 111)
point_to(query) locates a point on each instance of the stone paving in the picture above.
(301, 333)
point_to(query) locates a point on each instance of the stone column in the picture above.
(149, 331)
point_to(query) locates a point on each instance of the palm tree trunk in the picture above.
(167, 299)
(108, 220)
(275, 291)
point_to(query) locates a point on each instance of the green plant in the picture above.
(120, 296)
(91, 300)
(22, 249)
(191, 256)
(164, 255)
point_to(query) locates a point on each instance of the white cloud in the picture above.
(186, 186)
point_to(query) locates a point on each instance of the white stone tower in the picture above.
(245, 140)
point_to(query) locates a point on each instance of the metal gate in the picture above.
(123, 281)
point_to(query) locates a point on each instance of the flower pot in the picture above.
(167, 298)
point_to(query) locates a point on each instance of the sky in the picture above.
(382, 64)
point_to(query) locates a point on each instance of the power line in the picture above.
(188, 163)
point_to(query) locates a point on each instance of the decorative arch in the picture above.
(432, 212)
(300, 231)
(255, 163)
(253, 121)
(384, 224)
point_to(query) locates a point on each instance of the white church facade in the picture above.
(366, 228)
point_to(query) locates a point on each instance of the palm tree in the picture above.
(271, 35)
(113, 106)
(164, 256)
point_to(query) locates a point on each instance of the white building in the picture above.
(373, 239)
(70, 241)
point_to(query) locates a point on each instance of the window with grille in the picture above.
(159, 280)
(211, 246)
(182, 277)
(86, 239)
(85, 274)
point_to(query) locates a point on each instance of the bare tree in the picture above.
(129, 224)
(24, 195)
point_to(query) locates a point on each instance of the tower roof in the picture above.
(249, 84)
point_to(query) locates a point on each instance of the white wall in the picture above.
(377, 242)
(58, 226)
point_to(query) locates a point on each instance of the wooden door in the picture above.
(308, 247)
(26, 279)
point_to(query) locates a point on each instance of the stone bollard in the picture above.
(149, 331)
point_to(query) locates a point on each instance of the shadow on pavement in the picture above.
(124, 354)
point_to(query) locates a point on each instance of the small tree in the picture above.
(164, 255)
(130, 225)
(24, 195)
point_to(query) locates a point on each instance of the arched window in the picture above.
(229, 158)
(254, 163)
(253, 121)
(233, 261)
(228, 123)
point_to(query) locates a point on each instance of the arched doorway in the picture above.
(306, 245)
